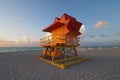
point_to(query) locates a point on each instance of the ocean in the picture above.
(18, 49)
(21, 49)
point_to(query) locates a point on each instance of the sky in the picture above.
(22, 21)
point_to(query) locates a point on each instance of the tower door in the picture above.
(68, 41)
(74, 41)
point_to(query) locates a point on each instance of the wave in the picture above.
(18, 49)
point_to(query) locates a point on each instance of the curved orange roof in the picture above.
(53, 26)
(73, 25)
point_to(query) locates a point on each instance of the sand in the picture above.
(104, 65)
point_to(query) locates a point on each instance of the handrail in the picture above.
(50, 39)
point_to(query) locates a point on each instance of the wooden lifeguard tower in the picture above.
(60, 46)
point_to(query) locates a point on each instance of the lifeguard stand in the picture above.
(60, 46)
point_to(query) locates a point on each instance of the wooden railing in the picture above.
(46, 40)
(52, 38)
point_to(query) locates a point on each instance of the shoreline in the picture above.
(40, 48)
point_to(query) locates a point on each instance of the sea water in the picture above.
(18, 49)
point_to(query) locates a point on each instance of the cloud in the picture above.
(101, 24)
(83, 29)
(116, 40)
(26, 39)
(22, 42)
(3, 41)
(118, 34)
(91, 36)
(17, 41)
(102, 35)
(48, 34)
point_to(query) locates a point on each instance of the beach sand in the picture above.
(104, 65)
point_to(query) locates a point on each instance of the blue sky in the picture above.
(22, 21)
